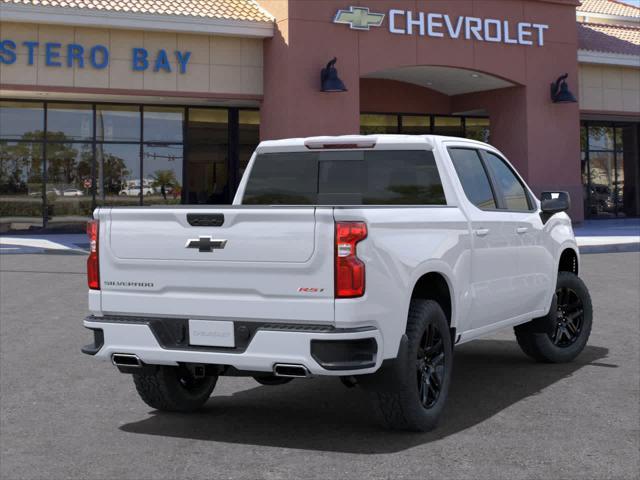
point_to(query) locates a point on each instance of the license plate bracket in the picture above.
(212, 333)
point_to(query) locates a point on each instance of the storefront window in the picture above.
(207, 156)
(118, 123)
(477, 129)
(69, 170)
(107, 154)
(21, 120)
(373, 123)
(610, 169)
(162, 174)
(21, 185)
(118, 173)
(248, 137)
(69, 122)
(449, 126)
(416, 124)
(163, 124)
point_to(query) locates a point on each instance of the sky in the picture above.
(635, 3)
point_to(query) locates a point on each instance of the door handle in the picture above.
(522, 230)
(482, 232)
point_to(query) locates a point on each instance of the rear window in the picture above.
(345, 178)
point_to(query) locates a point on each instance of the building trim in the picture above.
(135, 21)
(125, 92)
(607, 58)
(588, 16)
(612, 115)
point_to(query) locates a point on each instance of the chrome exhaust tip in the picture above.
(126, 360)
(290, 371)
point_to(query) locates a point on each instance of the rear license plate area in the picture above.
(211, 333)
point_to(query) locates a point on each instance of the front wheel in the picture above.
(412, 393)
(174, 389)
(562, 334)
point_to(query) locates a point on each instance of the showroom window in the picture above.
(610, 169)
(59, 160)
(477, 128)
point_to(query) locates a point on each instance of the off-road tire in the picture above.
(173, 389)
(538, 338)
(395, 391)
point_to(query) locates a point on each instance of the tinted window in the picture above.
(510, 188)
(345, 178)
(473, 177)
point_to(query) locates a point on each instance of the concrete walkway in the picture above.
(600, 236)
(593, 236)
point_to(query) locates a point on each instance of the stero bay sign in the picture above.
(96, 56)
(441, 25)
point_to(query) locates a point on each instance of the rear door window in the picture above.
(473, 177)
(381, 177)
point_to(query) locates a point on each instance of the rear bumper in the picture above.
(322, 350)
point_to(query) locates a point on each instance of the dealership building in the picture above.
(128, 102)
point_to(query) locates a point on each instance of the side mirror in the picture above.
(555, 202)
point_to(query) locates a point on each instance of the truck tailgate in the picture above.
(262, 263)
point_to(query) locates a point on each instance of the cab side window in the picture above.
(512, 194)
(473, 177)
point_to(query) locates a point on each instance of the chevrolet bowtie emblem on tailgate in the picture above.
(206, 244)
(359, 18)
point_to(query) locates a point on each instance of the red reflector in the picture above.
(349, 269)
(93, 264)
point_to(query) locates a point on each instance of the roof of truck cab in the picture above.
(293, 144)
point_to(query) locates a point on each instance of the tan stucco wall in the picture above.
(220, 65)
(609, 88)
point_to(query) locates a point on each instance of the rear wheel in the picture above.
(174, 389)
(411, 394)
(562, 334)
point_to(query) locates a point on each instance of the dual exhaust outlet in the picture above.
(130, 360)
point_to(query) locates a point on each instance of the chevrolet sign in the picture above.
(440, 25)
(359, 18)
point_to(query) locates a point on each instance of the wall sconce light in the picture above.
(560, 92)
(329, 80)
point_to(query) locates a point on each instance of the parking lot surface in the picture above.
(65, 415)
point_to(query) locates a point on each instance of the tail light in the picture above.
(93, 264)
(349, 269)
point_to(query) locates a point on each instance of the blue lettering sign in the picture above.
(162, 62)
(96, 56)
(51, 53)
(183, 58)
(140, 62)
(31, 47)
(99, 51)
(75, 54)
(7, 52)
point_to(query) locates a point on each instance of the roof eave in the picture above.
(82, 17)
(608, 58)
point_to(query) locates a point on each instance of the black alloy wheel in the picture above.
(570, 317)
(430, 366)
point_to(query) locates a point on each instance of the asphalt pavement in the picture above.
(64, 415)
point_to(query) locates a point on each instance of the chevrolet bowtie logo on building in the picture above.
(359, 18)
(206, 244)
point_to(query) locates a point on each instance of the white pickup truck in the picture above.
(363, 257)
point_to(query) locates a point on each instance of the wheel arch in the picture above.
(569, 260)
(435, 285)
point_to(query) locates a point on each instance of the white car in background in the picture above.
(135, 191)
(72, 192)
